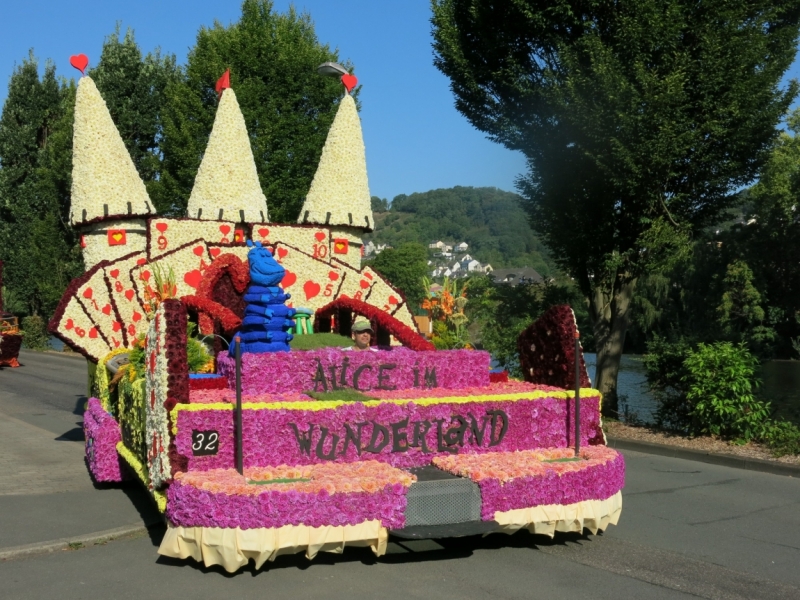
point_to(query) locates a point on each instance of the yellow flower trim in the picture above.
(317, 405)
(103, 173)
(227, 180)
(133, 463)
(340, 187)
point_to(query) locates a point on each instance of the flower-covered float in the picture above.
(270, 449)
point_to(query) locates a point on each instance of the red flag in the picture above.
(224, 82)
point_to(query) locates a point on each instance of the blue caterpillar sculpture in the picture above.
(267, 320)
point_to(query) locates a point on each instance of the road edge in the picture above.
(713, 458)
(74, 542)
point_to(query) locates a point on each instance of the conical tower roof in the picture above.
(227, 186)
(339, 193)
(105, 183)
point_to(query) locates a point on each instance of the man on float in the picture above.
(362, 333)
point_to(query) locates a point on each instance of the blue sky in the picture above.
(415, 138)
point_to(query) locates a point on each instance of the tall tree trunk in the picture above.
(609, 310)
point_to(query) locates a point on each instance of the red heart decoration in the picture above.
(225, 229)
(162, 227)
(192, 278)
(141, 261)
(288, 279)
(145, 275)
(349, 82)
(87, 293)
(368, 275)
(69, 324)
(107, 309)
(93, 332)
(393, 300)
(320, 236)
(198, 250)
(116, 325)
(215, 252)
(116, 343)
(282, 252)
(131, 331)
(114, 273)
(137, 316)
(263, 232)
(80, 62)
(364, 284)
(311, 289)
(129, 294)
(333, 276)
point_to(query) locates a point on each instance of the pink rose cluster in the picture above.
(303, 436)
(322, 495)
(102, 434)
(400, 368)
(520, 480)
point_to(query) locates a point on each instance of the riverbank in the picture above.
(616, 429)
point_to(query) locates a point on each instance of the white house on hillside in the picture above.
(470, 265)
(438, 245)
(462, 247)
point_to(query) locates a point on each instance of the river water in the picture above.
(781, 386)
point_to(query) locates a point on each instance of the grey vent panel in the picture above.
(438, 498)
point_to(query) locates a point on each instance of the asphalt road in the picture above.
(688, 529)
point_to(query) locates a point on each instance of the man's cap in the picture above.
(362, 326)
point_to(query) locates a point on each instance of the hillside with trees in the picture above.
(491, 221)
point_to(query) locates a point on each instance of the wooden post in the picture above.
(577, 394)
(238, 427)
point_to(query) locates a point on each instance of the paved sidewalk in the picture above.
(46, 492)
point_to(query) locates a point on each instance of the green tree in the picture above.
(638, 121)
(288, 108)
(405, 267)
(740, 313)
(134, 89)
(36, 243)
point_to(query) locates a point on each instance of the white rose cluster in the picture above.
(105, 183)
(340, 185)
(156, 420)
(227, 180)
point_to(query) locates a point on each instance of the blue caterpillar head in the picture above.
(264, 270)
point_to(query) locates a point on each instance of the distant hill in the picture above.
(491, 221)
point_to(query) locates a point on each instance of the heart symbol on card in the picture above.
(349, 81)
(215, 252)
(107, 309)
(93, 332)
(87, 293)
(393, 300)
(162, 227)
(198, 250)
(364, 284)
(116, 236)
(69, 324)
(80, 62)
(288, 279)
(116, 326)
(116, 343)
(263, 232)
(137, 316)
(368, 275)
(145, 276)
(129, 295)
(192, 278)
(282, 252)
(114, 273)
(141, 261)
(311, 289)
(333, 276)
(131, 331)
(320, 236)
(225, 229)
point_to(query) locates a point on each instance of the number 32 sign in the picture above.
(205, 443)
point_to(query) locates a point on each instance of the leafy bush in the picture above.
(35, 334)
(720, 380)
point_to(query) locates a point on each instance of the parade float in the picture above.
(252, 448)
(10, 335)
